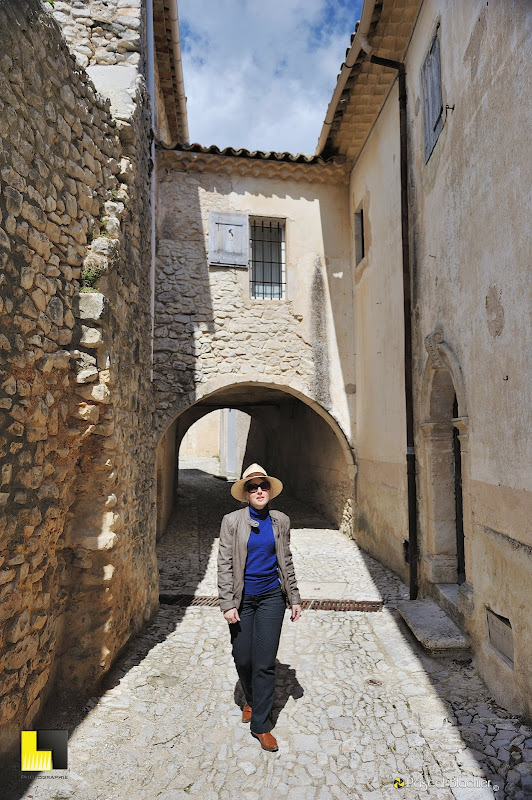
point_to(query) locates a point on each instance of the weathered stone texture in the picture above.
(101, 33)
(204, 326)
(73, 458)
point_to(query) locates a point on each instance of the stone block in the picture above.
(36, 434)
(55, 311)
(98, 392)
(91, 337)
(9, 705)
(17, 656)
(5, 475)
(87, 375)
(19, 628)
(14, 200)
(91, 306)
(35, 685)
(104, 429)
(7, 575)
(432, 627)
(87, 412)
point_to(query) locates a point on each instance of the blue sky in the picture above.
(260, 74)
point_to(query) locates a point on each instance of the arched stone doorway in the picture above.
(292, 435)
(444, 468)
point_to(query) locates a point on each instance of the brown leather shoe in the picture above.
(267, 741)
(246, 713)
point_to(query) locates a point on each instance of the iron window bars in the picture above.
(267, 249)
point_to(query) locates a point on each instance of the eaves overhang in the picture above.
(168, 59)
(367, 86)
(253, 162)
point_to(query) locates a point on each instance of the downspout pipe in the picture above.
(150, 70)
(178, 63)
(413, 548)
(360, 42)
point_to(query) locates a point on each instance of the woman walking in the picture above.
(255, 581)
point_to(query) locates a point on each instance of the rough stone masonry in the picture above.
(75, 399)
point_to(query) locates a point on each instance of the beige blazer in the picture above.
(232, 554)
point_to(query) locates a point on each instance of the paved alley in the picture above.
(358, 707)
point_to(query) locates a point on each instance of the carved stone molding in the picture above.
(441, 356)
(432, 345)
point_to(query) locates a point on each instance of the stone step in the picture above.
(446, 596)
(433, 629)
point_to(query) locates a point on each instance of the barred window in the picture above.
(267, 262)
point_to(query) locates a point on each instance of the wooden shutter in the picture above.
(228, 240)
(432, 96)
(435, 75)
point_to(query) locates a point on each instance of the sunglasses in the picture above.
(252, 487)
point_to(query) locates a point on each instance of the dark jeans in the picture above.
(255, 642)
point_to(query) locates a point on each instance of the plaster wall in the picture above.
(472, 282)
(203, 438)
(380, 513)
(166, 477)
(313, 466)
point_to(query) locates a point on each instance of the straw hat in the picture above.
(255, 471)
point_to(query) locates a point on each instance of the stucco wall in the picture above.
(472, 280)
(472, 291)
(166, 469)
(380, 513)
(77, 479)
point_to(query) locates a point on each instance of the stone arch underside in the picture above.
(291, 434)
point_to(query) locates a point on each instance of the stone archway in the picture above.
(444, 468)
(289, 432)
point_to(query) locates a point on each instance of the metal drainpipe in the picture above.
(151, 92)
(407, 306)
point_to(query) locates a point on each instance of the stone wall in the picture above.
(206, 323)
(203, 328)
(100, 32)
(77, 571)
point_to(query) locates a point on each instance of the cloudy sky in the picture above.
(260, 73)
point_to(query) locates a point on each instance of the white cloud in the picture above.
(261, 74)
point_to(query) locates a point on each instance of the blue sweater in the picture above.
(260, 574)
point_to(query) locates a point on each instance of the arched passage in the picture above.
(291, 435)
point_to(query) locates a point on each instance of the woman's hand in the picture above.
(231, 615)
(296, 612)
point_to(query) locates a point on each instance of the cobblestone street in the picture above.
(357, 704)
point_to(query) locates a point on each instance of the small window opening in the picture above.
(500, 635)
(360, 248)
(267, 266)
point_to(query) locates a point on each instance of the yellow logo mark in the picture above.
(33, 760)
(398, 783)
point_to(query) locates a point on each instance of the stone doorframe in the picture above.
(442, 380)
